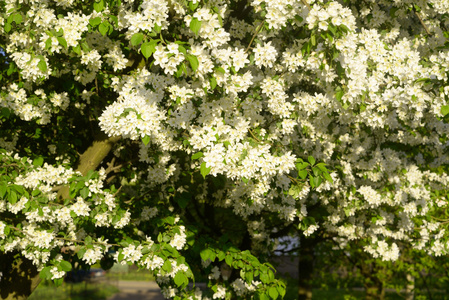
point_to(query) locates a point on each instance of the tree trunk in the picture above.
(305, 268)
(410, 287)
(19, 277)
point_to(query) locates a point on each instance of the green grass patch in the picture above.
(129, 273)
(74, 291)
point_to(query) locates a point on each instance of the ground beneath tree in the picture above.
(137, 290)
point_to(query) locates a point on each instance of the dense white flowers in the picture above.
(244, 112)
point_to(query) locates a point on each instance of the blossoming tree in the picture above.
(182, 136)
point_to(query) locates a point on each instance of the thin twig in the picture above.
(250, 131)
(306, 4)
(118, 190)
(254, 36)
(422, 22)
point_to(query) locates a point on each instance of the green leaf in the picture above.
(312, 181)
(180, 278)
(339, 93)
(3, 189)
(221, 70)
(301, 166)
(229, 260)
(42, 65)
(193, 6)
(204, 170)
(159, 237)
(148, 48)
(273, 292)
(137, 38)
(95, 21)
(207, 254)
(281, 290)
(80, 253)
(263, 296)
(45, 273)
(103, 28)
(84, 192)
(213, 82)
(62, 41)
(5, 112)
(77, 49)
(167, 266)
(221, 255)
(17, 18)
(88, 240)
(7, 27)
(99, 6)
(328, 177)
(302, 174)
(85, 47)
(197, 155)
(313, 39)
(193, 61)
(311, 160)
(12, 197)
(445, 110)
(195, 25)
(37, 162)
(146, 140)
(65, 266)
(182, 49)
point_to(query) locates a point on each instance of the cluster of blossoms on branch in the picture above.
(278, 107)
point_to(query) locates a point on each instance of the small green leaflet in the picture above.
(193, 6)
(146, 140)
(62, 42)
(213, 82)
(221, 70)
(302, 174)
(193, 61)
(195, 25)
(46, 273)
(204, 170)
(77, 49)
(311, 160)
(95, 21)
(148, 48)
(99, 5)
(37, 162)
(7, 27)
(445, 110)
(313, 39)
(103, 28)
(339, 93)
(17, 18)
(273, 292)
(2, 190)
(136, 39)
(65, 266)
(42, 65)
(180, 279)
(300, 166)
(182, 49)
(197, 155)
